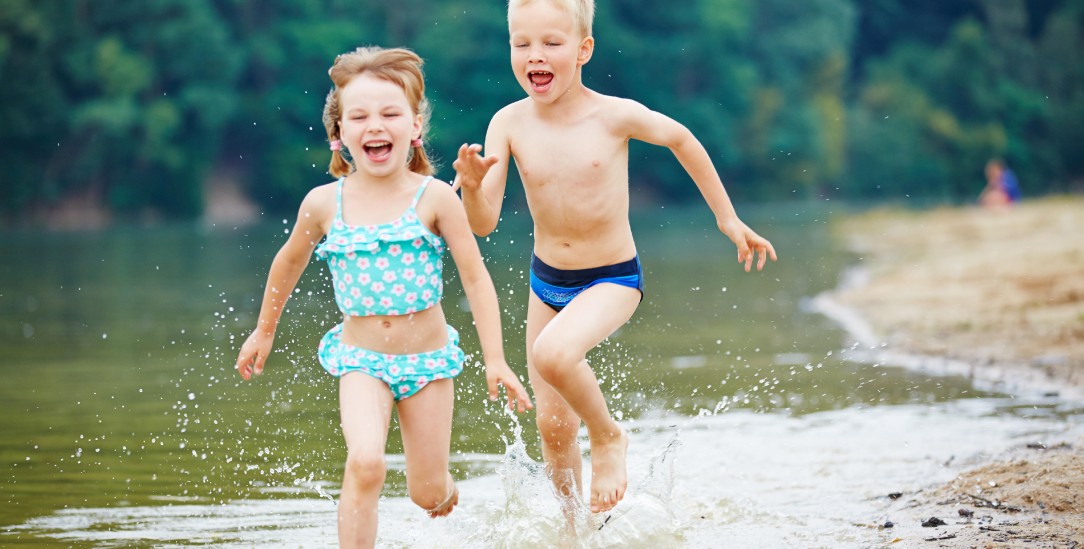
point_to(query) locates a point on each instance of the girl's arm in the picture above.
(286, 269)
(451, 223)
(652, 127)
(483, 179)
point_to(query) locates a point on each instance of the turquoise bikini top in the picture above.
(388, 269)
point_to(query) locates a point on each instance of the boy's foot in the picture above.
(608, 475)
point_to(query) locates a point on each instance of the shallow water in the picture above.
(125, 423)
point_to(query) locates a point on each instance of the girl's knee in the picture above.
(365, 471)
(558, 434)
(429, 494)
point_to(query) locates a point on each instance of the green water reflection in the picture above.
(116, 351)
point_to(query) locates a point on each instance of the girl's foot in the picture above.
(447, 505)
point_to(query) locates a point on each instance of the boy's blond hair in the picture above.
(582, 12)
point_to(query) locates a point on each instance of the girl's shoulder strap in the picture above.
(339, 199)
(421, 191)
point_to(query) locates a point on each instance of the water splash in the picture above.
(536, 516)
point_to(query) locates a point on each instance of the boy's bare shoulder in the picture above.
(618, 107)
(511, 112)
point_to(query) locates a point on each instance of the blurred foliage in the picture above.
(133, 105)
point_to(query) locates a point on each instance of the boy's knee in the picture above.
(365, 472)
(552, 359)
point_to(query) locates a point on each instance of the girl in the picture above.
(386, 223)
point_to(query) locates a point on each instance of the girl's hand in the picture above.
(498, 373)
(748, 242)
(470, 167)
(254, 353)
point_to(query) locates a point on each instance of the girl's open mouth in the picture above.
(378, 151)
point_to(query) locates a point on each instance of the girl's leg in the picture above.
(559, 356)
(425, 420)
(365, 404)
(558, 425)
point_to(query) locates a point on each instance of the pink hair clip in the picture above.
(335, 145)
(416, 143)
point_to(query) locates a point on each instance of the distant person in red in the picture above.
(1002, 189)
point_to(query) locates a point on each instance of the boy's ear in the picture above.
(587, 49)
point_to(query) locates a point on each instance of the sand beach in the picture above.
(998, 296)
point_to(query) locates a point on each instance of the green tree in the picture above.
(131, 99)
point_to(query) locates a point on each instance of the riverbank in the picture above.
(997, 296)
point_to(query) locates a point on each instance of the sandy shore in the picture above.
(997, 296)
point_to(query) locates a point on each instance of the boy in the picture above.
(570, 145)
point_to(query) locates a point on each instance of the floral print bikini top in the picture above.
(388, 269)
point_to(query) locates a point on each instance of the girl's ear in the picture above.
(419, 123)
(587, 49)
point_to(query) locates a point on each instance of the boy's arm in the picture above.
(652, 127)
(482, 179)
(286, 269)
(452, 225)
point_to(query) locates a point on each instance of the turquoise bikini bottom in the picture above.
(404, 374)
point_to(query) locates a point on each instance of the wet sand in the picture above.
(997, 296)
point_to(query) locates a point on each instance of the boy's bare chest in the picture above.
(579, 154)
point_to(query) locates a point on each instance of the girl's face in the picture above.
(377, 125)
(547, 50)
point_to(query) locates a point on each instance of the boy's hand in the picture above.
(470, 167)
(749, 243)
(254, 353)
(498, 373)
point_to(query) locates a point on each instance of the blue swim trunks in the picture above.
(556, 287)
(404, 374)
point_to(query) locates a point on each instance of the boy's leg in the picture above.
(559, 356)
(558, 425)
(365, 411)
(425, 419)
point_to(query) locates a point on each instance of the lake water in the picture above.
(125, 423)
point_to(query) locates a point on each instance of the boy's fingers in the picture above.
(492, 383)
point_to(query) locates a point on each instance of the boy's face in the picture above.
(377, 124)
(547, 50)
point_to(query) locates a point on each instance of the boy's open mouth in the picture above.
(540, 79)
(378, 151)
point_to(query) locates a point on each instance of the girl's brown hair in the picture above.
(399, 66)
